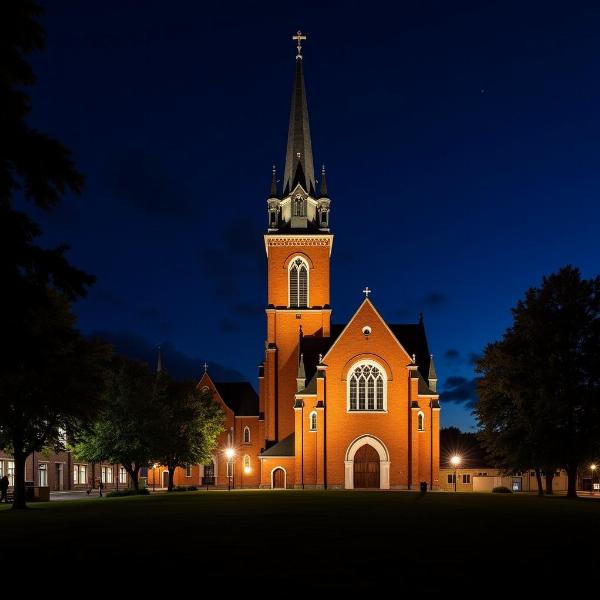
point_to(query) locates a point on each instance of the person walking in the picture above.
(4, 483)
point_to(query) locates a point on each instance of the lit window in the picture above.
(246, 435)
(313, 421)
(367, 387)
(298, 283)
(421, 421)
(107, 474)
(82, 474)
(122, 475)
(246, 462)
(10, 472)
(43, 474)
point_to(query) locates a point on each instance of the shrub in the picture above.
(501, 489)
(185, 488)
(120, 493)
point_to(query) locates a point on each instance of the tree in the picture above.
(540, 388)
(130, 422)
(54, 381)
(466, 445)
(191, 424)
(37, 283)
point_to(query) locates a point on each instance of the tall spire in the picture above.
(432, 376)
(299, 166)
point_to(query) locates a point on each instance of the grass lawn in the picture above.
(348, 540)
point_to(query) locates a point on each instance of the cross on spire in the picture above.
(367, 291)
(205, 367)
(299, 37)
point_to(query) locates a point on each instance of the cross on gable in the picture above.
(205, 367)
(367, 291)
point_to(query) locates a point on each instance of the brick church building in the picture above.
(349, 405)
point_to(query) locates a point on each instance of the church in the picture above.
(339, 406)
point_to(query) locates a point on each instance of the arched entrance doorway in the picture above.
(165, 479)
(367, 464)
(278, 479)
(366, 467)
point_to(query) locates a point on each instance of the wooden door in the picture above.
(278, 479)
(366, 467)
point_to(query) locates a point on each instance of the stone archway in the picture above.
(384, 461)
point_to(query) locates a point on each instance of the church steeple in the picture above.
(299, 168)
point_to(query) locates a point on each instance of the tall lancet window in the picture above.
(367, 389)
(298, 283)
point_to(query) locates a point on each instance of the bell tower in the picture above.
(298, 244)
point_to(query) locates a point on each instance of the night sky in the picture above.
(461, 143)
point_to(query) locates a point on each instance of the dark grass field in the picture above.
(293, 540)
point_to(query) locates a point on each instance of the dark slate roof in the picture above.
(424, 388)
(240, 397)
(414, 341)
(283, 448)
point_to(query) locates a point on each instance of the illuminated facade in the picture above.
(339, 406)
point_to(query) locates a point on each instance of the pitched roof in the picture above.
(240, 397)
(285, 447)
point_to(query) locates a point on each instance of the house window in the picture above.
(451, 478)
(298, 278)
(246, 435)
(313, 421)
(367, 387)
(10, 472)
(122, 475)
(188, 470)
(421, 421)
(80, 474)
(43, 474)
(107, 475)
(466, 478)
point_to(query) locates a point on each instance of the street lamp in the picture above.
(154, 476)
(229, 454)
(593, 470)
(455, 462)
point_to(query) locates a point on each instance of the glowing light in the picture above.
(455, 460)
(229, 453)
(247, 470)
(593, 467)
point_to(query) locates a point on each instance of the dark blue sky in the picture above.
(461, 142)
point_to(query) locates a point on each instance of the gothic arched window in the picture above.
(313, 421)
(421, 421)
(367, 387)
(246, 435)
(298, 283)
(246, 462)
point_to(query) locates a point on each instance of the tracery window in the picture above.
(313, 421)
(246, 435)
(367, 387)
(298, 283)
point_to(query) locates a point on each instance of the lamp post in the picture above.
(455, 462)
(593, 470)
(229, 454)
(154, 477)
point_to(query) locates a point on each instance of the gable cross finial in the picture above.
(299, 37)
(205, 367)
(414, 359)
(367, 291)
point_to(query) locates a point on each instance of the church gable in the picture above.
(367, 334)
